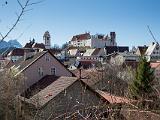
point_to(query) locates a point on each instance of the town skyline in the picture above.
(129, 19)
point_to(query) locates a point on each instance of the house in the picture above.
(153, 52)
(120, 58)
(15, 54)
(93, 41)
(34, 46)
(91, 56)
(62, 97)
(38, 64)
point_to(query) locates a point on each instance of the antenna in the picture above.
(151, 34)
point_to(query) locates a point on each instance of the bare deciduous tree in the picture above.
(10, 86)
(23, 9)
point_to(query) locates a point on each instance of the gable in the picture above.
(40, 60)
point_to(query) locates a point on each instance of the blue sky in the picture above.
(65, 18)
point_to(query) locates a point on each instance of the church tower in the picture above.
(47, 40)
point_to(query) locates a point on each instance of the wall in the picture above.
(32, 75)
(75, 97)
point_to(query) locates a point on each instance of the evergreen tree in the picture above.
(141, 87)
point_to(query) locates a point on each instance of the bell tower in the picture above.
(47, 40)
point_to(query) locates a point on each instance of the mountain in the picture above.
(10, 43)
(4, 44)
(6, 47)
(15, 43)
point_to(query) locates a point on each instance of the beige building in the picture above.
(37, 65)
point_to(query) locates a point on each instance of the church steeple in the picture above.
(47, 40)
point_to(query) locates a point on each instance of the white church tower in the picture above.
(47, 40)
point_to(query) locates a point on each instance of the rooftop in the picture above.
(51, 90)
(84, 36)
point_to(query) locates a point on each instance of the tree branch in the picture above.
(19, 16)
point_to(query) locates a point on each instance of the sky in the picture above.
(65, 18)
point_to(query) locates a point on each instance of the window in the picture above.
(40, 71)
(47, 58)
(53, 71)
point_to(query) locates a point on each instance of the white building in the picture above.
(93, 41)
(15, 54)
(153, 52)
(93, 54)
(47, 40)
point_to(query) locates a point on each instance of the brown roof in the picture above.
(81, 37)
(38, 45)
(17, 52)
(53, 87)
(40, 85)
(114, 99)
(51, 91)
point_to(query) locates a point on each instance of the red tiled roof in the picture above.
(114, 99)
(81, 37)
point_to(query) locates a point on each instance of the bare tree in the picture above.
(10, 86)
(23, 9)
